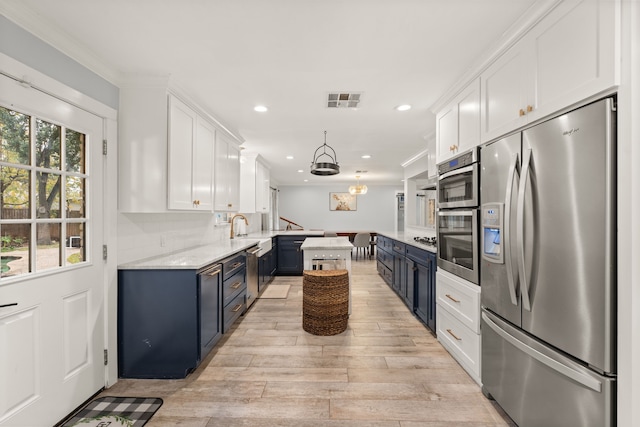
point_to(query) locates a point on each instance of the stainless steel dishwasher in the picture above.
(252, 275)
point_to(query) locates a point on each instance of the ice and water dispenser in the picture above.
(492, 227)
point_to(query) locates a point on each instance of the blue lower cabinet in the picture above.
(411, 273)
(157, 323)
(290, 256)
(169, 320)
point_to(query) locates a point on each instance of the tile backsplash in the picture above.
(144, 235)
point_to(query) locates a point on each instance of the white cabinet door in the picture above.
(447, 132)
(191, 144)
(227, 175)
(506, 93)
(574, 54)
(468, 103)
(203, 165)
(458, 125)
(233, 177)
(568, 57)
(262, 188)
(182, 124)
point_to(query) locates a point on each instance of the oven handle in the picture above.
(455, 213)
(456, 172)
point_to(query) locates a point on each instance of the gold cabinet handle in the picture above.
(236, 308)
(529, 108)
(522, 113)
(215, 272)
(453, 335)
(236, 285)
(452, 298)
(236, 265)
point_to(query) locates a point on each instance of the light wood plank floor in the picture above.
(385, 370)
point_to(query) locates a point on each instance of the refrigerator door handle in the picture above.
(524, 284)
(565, 370)
(513, 170)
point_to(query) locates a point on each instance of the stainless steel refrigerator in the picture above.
(548, 278)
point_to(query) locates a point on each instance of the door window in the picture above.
(42, 194)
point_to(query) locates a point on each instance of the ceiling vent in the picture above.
(344, 100)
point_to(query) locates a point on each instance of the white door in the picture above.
(51, 284)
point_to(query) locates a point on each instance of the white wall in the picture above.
(309, 206)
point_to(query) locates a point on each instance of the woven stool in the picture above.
(325, 301)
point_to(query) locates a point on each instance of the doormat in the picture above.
(112, 411)
(275, 292)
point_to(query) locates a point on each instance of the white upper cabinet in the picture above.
(254, 184)
(191, 144)
(142, 148)
(568, 57)
(458, 124)
(166, 152)
(227, 175)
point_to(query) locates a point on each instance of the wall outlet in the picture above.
(163, 240)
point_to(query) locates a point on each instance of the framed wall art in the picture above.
(343, 202)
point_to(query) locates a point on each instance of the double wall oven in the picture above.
(458, 201)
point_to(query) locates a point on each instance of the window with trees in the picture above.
(42, 194)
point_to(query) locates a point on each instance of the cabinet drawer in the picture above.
(460, 341)
(233, 264)
(386, 258)
(386, 274)
(233, 286)
(462, 300)
(418, 255)
(398, 247)
(232, 311)
(384, 243)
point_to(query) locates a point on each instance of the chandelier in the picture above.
(321, 164)
(358, 189)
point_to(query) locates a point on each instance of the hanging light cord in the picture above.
(334, 158)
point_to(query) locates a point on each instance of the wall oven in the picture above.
(458, 182)
(457, 225)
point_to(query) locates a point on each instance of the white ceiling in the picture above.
(230, 55)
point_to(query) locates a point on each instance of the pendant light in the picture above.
(324, 167)
(358, 189)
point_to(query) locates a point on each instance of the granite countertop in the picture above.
(403, 237)
(192, 259)
(326, 243)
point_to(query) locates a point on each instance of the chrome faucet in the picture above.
(233, 218)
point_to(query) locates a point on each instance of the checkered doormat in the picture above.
(112, 411)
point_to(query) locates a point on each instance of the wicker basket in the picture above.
(325, 301)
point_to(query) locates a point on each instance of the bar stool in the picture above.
(325, 301)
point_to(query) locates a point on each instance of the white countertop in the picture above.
(192, 259)
(201, 256)
(326, 243)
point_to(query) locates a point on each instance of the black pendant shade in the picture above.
(325, 164)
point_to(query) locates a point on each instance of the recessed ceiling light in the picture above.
(300, 171)
(306, 180)
(289, 157)
(260, 109)
(366, 156)
(403, 107)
